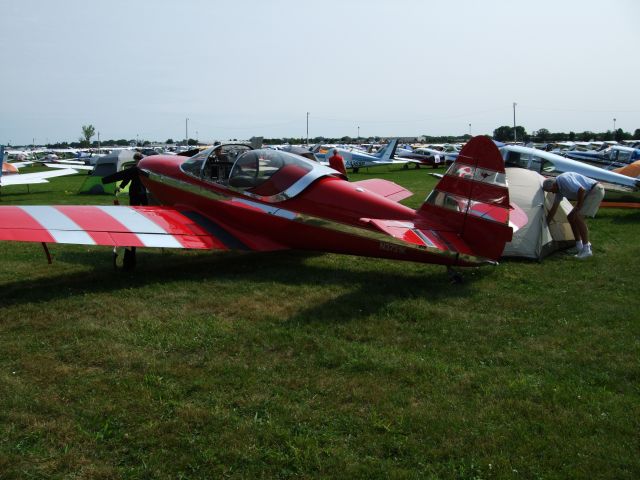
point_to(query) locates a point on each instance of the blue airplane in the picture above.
(613, 157)
(356, 160)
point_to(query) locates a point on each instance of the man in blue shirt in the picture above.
(587, 194)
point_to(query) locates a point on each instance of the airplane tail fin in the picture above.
(471, 201)
(388, 151)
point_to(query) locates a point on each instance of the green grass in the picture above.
(293, 364)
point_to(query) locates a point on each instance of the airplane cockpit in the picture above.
(215, 163)
(270, 175)
(267, 173)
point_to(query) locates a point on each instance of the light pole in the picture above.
(614, 126)
(469, 129)
(358, 134)
(186, 131)
(515, 137)
(307, 128)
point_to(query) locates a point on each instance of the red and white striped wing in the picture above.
(109, 225)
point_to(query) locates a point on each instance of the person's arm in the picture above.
(581, 194)
(552, 212)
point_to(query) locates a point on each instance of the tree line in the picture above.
(542, 135)
(503, 133)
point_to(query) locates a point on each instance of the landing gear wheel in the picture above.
(128, 259)
(356, 169)
(455, 277)
(405, 166)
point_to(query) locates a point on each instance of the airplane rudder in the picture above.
(472, 199)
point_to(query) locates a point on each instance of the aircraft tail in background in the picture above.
(388, 152)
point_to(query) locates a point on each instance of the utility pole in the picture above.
(469, 129)
(186, 131)
(515, 137)
(307, 128)
(358, 134)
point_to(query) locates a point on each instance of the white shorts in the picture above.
(592, 201)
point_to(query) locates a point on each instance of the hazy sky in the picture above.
(240, 68)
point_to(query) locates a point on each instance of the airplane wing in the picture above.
(66, 165)
(31, 178)
(122, 226)
(20, 164)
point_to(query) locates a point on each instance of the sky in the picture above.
(151, 69)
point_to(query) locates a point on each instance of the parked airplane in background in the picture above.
(9, 173)
(356, 160)
(232, 197)
(615, 156)
(426, 156)
(550, 164)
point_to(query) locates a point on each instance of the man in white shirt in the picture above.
(587, 194)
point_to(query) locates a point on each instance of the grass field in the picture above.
(291, 364)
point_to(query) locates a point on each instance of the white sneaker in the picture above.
(577, 248)
(585, 253)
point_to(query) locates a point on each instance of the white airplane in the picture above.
(12, 177)
(70, 164)
(550, 164)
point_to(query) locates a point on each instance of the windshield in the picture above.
(215, 162)
(268, 172)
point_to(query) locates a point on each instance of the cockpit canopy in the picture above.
(260, 173)
(214, 163)
(268, 172)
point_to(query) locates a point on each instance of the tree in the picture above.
(503, 134)
(542, 135)
(169, 141)
(88, 131)
(636, 134)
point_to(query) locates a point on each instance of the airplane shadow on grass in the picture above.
(369, 284)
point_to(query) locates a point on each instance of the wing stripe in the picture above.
(59, 226)
(101, 226)
(132, 220)
(147, 231)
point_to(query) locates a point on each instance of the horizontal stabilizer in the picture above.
(385, 188)
(435, 241)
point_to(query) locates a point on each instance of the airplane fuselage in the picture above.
(331, 215)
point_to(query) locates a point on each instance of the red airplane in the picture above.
(232, 197)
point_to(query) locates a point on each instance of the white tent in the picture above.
(536, 239)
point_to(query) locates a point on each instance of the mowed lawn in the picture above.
(311, 365)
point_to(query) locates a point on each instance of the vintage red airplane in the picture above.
(233, 197)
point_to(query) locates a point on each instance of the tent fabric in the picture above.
(536, 239)
(106, 165)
